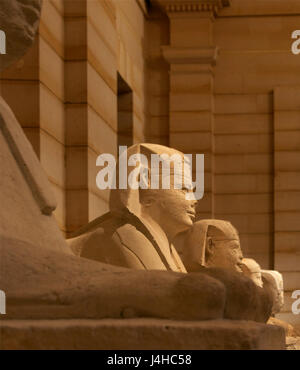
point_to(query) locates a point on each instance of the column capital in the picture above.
(172, 7)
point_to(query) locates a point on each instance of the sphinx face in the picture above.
(19, 19)
(225, 254)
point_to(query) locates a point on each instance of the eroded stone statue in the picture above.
(141, 225)
(211, 243)
(19, 21)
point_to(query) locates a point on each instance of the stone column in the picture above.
(192, 55)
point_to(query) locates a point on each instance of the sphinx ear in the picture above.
(209, 246)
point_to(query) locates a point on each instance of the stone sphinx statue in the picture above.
(142, 223)
(216, 243)
(211, 243)
(43, 279)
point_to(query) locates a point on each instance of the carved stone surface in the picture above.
(19, 21)
(211, 243)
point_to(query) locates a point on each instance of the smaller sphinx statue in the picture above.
(210, 243)
(216, 243)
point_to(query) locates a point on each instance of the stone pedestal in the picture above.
(140, 334)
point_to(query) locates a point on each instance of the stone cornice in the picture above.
(181, 55)
(180, 6)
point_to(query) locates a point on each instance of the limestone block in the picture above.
(191, 141)
(255, 33)
(254, 72)
(101, 57)
(92, 171)
(287, 200)
(243, 184)
(191, 121)
(288, 260)
(76, 122)
(138, 104)
(243, 124)
(77, 167)
(101, 137)
(96, 10)
(287, 161)
(23, 98)
(140, 334)
(52, 154)
(51, 69)
(262, 259)
(97, 206)
(243, 203)
(158, 80)
(75, 8)
(287, 241)
(100, 96)
(59, 5)
(159, 105)
(159, 126)
(77, 209)
(76, 82)
(250, 223)
(190, 102)
(287, 97)
(205, 204)
(243, 104)
(291, 280)
(33, 135)
(131, 39)
(287, 181)
(132, 11)
(197, 31)
(25, 68)
(54, 36)
(243, 163)
(52, 114)
(138, 79)
(75, 38)
(286, 120)
(191, 83)
(230, 144)
(289, 140)
(138, 128)
(257, 7)
(256, 243)
(287, 221)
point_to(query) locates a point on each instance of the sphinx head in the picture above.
(156, 197)
(212, 243)
(19, 20)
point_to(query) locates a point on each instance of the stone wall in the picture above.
(64, 94)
